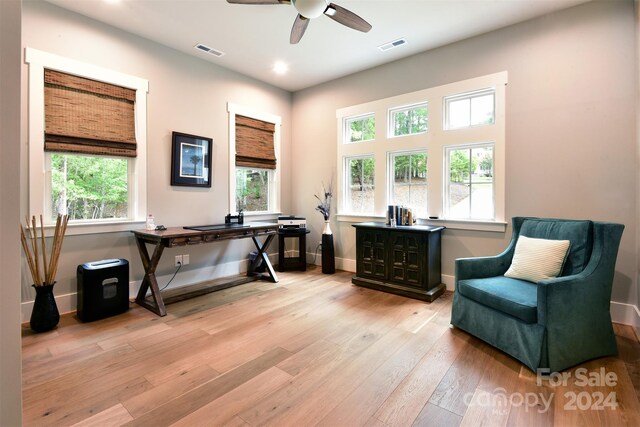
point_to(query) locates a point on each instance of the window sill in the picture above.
(262, 216)
(82, 228)
(493, 226)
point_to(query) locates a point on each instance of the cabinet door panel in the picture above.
(407, 259)
(370, 254)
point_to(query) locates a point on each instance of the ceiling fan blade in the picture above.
(259, 1)
(346, 17)
(299, 27)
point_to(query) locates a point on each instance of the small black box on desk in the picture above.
(103, 289)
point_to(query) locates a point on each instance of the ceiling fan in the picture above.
(309, 9)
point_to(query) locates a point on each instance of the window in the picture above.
(470, 109)
(408, 120)
(254, 181)
(252, 189)
(455, 179)
(95, 173)
(359, 191)
(360, 129)
(408, 181)
(88, 187)
(470, 193)
(85, 120)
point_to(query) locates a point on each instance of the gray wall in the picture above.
(186, 94)
(570, 133)
(10, 357)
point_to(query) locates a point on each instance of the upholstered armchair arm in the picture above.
(575, 309)
(490, 266)
(481, 267)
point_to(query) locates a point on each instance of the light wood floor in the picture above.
(310, 350)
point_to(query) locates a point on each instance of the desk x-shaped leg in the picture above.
(149, 281)
(262, 255)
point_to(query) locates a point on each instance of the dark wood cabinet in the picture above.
(402, 260)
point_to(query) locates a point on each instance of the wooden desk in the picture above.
(178, 236)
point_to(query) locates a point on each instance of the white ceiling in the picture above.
(255, 37)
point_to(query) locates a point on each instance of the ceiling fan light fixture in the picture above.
(310, 8)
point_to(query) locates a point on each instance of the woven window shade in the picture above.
(254, 143)
(87, 116)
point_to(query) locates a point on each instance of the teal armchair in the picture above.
(552, 324)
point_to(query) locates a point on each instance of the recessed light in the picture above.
(280, 67)
(112, 1)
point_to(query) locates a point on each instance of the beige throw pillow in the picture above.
(538, 259)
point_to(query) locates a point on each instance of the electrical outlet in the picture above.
(178, 260)
(185, 259)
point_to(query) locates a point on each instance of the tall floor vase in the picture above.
(328, 256)
(45, 315)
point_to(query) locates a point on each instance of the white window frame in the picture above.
(347, 128)
(434, 141)
(467, 95)
(390, 171)
(274, 174)
(346, 172)
(391, 123)
(447, 169)
(40, 162)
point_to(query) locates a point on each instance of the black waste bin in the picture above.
(260, 267)
(103, 289)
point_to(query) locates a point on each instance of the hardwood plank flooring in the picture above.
(310, 350)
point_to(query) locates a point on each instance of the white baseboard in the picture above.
(345, 264)
(68, 302)
(627, 314)
(449, 281)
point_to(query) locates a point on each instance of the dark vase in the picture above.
(45, 315)
(328, 256)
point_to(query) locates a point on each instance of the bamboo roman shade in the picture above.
(87, 116)
(254, 143)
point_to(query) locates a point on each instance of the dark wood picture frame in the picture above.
(190, 160)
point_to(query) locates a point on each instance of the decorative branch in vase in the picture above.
(45, 315)
(325, 205)
(328, 257)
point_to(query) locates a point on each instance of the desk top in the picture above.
(179, 236)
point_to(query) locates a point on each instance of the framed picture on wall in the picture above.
(190, 160)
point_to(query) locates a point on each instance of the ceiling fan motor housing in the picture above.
(310, 8)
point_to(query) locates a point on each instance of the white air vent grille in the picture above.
(392, 44)
(209, 50)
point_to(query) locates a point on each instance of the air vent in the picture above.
(392, 44)
(209, 50)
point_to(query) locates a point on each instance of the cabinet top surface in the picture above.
(383, 226)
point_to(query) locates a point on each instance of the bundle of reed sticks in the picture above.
(38, 247)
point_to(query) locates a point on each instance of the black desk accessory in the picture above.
(234, 219)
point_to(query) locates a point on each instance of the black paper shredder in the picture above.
(103, 289)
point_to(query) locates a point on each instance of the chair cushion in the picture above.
(514, 297)
(537, 259)
(578, 232)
